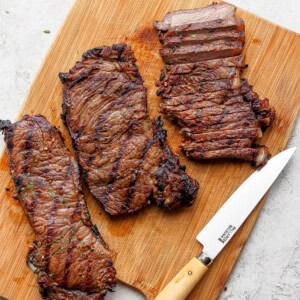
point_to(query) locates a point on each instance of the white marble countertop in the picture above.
(269, 267)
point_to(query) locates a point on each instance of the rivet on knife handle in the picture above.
(183, 283)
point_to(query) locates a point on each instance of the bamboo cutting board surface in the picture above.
(150, 247)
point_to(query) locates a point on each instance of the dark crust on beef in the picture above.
(125, 158)
(202, 88)
(69, 256)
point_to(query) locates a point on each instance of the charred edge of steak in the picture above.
(120, 52)
(171, 172)
(4, 127)
(262, 109)
(262, 155)
(4, 124)
(203, 14)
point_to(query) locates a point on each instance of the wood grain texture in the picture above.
(151, 247)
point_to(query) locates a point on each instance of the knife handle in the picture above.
(183, 283)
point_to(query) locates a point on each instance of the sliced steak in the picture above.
(202, 51)
(205, 75)
(258, 155)
(202, 89)
(69, 256)
(188, 101)
(170, 91)
(203, 27)
(124, 156)
(198, 67)
(204, 14)
(198, 38)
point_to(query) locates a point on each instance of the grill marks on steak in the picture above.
(202, 88)
(70, 258)
(125, 158)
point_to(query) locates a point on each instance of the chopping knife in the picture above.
(225, 223)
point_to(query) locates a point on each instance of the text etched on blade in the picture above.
(227, 234)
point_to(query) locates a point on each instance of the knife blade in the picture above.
(224, 224)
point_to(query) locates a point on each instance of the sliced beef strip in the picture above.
(244, 119)
(170, 91)
(189, 100)
(198, 67)
(209, 27)
(209, 111)
(201, 52)
(204, 14)
(218, 120)
(198, 38)
(124, 156)
(237, 133)
(69, 256)
(258, 155)
(202, 104)
(191, 146)
(208, 75)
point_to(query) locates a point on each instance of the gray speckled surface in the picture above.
(269, 267)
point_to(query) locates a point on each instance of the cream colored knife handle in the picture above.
(183, 283)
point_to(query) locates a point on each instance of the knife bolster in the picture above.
(205, 259)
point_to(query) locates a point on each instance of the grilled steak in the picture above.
(69, 256)
(125, 158)
(202, 88)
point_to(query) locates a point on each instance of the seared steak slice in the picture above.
(125, 158)
(202, 88)
(190, 100)
(203, 27)
(69, 256)
(207, 75)
(198, 38)
(194, 116)
(198, 67)
(202, 51)
(258, 155)
(188, 16)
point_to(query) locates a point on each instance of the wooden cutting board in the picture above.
(150, 247)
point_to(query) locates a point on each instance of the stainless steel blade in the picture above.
(220, 229)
